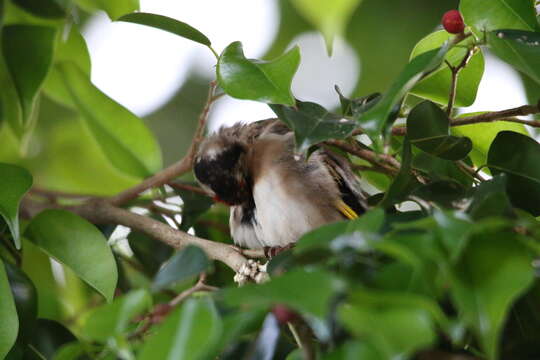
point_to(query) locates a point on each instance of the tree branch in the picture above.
(503, 115)
(101, 211)
(176, 169)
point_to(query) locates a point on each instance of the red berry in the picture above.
(283, 314)
(453, 22)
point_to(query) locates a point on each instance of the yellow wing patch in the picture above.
(346, 210)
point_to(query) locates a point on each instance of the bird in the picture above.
(275, 195)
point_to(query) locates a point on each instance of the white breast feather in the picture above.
(282, 218)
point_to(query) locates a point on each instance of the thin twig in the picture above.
(160, 311)
(453, 82)
(469, 170)
(503, 115)
(181, 186)
(199, 286)
(385, 162)
(178, 168)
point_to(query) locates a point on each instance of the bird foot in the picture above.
(270, 252)
(253, 271)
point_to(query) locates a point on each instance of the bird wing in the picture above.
(352, 203)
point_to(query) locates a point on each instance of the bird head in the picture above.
(220, 167)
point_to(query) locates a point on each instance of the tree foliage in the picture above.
(444, 262)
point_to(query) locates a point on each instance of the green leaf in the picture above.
(517, 155)
(37, 266)
(72, 49)
(79, 245)
(115, 318)
(190, 332)
(167, 24)
(49, 337)
(397, 325)
(355, 107)
(27, 73)
(114, 9)
(329, 17)
(313, 124)
(494, 270)
(194, 205)
(353, 350)
(490, 199)
(9, 326)
(337, 235)
(14, 183)
(149, 252)
(436, 86)
(404, 182)
(374, 121)
(428, 128)
(25, 298)
(520, 49)
(184, 264)
(440, 169)
(123, 137)
(264, 81)
(306, 291)
(487, 15)
(42, 8)
(483, 134)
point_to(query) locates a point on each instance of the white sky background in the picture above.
(142, 68)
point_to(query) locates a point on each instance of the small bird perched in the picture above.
(275, 196)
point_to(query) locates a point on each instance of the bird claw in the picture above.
(272, 251)
(251, 270)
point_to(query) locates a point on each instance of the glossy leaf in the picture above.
(264, 81)
(25, 298)
(194, 205)
(428, 128)
(404, 182)
(190, 332)
(72, 49)
(184, 264)
(149, 252)
(353, 350)
(493, 271)
(353, 234)
(306, 291)
(123, 137)
(517, 156)
(374, 121)
(9, 326)
(487, 15)
(490, 199)
(27, 73)
(483, 134)
(436, 86)
(115, 318)
(330, 18)
(114, 9)
(519, 48)
(440, 169)
(42, 8)
(313, 124)
(358, 106)
(50, 336)
(37, 266)
(14, 183)
(76, 243)
(396, 327)
(167, 24)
